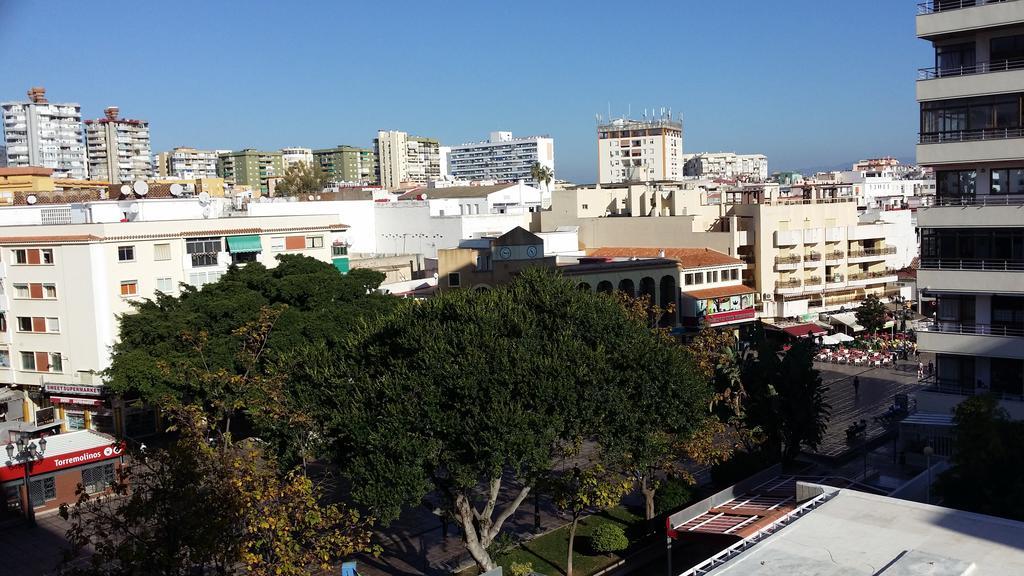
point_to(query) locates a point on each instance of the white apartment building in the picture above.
(502, 158)
(972, 238)
(187, 163)
(295, 155)
(118, 148)
(640, 150)
(404, 160)
(65, 285)
(727, 165)
(38, 133)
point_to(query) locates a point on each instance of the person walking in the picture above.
(856, 387)
(920, 370)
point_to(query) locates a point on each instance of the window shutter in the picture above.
(38, 324)
(33, 256)
(295, 242)
(42, 362)
(35, 291)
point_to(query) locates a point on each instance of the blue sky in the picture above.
(807, 82)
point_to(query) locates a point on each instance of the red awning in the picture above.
(76, 401)
(805, 330)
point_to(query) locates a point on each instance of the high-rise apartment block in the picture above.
(38, 133)
(294, 155)
(250, 168)
(406, 160)
(640, 150)
(118, 148)
(187, 163)
(502, 158)
(348, 164)
(972, 238)
(728, 165)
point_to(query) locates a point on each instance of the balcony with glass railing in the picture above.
(936, 6)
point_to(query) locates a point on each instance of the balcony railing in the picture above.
(934, 6)
(812, 281)
(812, 257)
(979, 68)
(794, 259)
(970, 135)
(837, 255)
(977, 329)
(981, 264)
(980, 200)
(959, 388)
(871, 275)
(872, 252)
(794, 283)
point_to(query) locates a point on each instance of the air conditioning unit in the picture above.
(767, 296)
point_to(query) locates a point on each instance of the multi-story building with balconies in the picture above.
(294, 155)
(347, 164)
(747, 167)
(187, 163)
(640, 150)
(250, 168)
(502, 159)
(972, 238)
(404, 160)
(118, 148)
(38, 133)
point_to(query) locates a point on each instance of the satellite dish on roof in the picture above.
(141, 187)
(310, 197)
(31, 199)
(204, 197)
(125, 189)
(177, 190)
(134, 208)
(206, 211)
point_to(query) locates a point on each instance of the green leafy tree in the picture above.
(872, 314)
(192, 508)
(474, 394)
(541, 174)
(301, 179)
(986, 473)
(581, 490)
(674, 493)
(188, 347)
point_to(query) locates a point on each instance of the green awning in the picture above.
(240, 244)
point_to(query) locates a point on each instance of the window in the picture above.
(28, 361)
(203, 251)
(955, 183)
(126, 253)
(454, 280)
(21, 291)
(49, 291)
(47, 255)
(129, 287)
(954, 59)
(940, 118)
(1006, 53)
(712, 276)
(56, 363)
(688, 279)
(243, 257)
(97, 478)
(24, 324)
(277, 244)
(314, 241)
(165, 285)
(339, 250)
(20, 256)
(1007, 181)
(161, 252)
(43, 490)
(53, 325)
(698, 277)
(294, 242)
(585, 206)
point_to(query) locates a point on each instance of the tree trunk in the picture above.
(470, 536)
(648, 493)
(479, 529)
(572, 538)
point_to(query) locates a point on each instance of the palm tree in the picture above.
(541, 174)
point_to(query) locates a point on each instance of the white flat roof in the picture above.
(856, 534)
(75, 441)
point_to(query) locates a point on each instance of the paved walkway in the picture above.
(34, 551)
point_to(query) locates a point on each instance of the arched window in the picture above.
(605, 287)
(647, 288)
(583, 286)
(627, 286)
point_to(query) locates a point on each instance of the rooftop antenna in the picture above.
(629, 110)
(609, 111)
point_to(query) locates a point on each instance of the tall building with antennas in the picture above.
(40, 133)
(644, 150)
(118, 148)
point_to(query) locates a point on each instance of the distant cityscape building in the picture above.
(347, 164)
(640, 150)
(186, 163)
(38, 133)
(972, 238)
(501, 158)
(403, 160)
(295, 155)
(3, 156)
(728, 165)
(118, 148)
(250, 168)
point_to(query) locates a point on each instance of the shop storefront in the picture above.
(84, 457)
(81, 407)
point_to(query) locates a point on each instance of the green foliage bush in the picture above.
(521, 569)
(673, 494)
(608, 538)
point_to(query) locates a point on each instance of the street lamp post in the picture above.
(26, 453)
(928, 451)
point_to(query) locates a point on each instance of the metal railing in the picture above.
(788, 283)
(979, 329)
(872, 252)
(837, 255)
(812, 257)
(976, 135)
(980, 68)
(933, 6)
(871, 275)
(786, 200)
(958, 388)
(812, 281)
(979, 200)
(794, 259)
(980, 264)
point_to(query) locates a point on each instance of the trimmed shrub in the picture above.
(673, 494)
(608, 538)
(521, 569)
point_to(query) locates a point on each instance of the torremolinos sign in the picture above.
(13, 471)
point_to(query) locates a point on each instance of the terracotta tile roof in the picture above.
(454, 192)
(48, 239)
(69, 238)
(25, 171)
(687, 257)
(721, 292)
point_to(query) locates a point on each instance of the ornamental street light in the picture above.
(25, 453)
